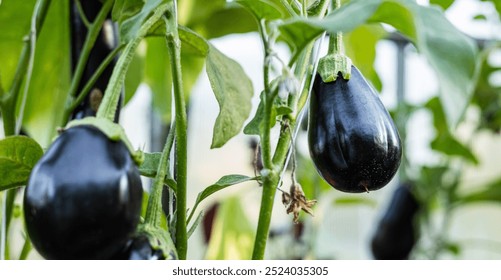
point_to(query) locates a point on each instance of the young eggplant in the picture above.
(353, 141)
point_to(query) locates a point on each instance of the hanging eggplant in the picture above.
(353, 141)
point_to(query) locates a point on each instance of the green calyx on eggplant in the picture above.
(353, 141)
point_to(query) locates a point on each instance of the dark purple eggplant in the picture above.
(353, 141)
(395, 235)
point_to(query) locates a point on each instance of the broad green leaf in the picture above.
(216, 19)
(444, 141)
(449, 52)
(124, 9)
(491, 193)
(262, 9)
(11, 35)
(449, 145)
(298, 32)
(129, 28)
(18, 155)
(196, 43)
(232, 19)
(192, 13)
(442, 3)
(158, 76)
(232, 233)
(360, 46)
(149, 167)
(51, 76)
(135, 73)
(398, 15)
(233, 91)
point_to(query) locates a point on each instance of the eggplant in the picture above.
(395, 235)
(352, 139)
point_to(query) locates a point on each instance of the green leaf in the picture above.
(398, 15)
(255, 126)
(444, 141)
(360, 46)
(11, 37)
(450, 53)
(124, 9)
(232, 19)
(490, 193)
(233, 91)
(194, 41)
(195, 224)
(18, 155)
(158, 68)
(298, 32)
(158, 76)
(449, 145)
(150, 164)
(262, 9)
(232, 233)
(224, 182)
(135, 73)
(130, 26)
(51, 76)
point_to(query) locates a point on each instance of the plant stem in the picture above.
(88, 86)
(276, 164)
(174, 47)
(111, 96)
(9, 102)
(336, 43)
(154, 209)
(90, 40)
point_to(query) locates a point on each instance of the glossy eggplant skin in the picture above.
(353, 141)
(83, 198)
(396, 233)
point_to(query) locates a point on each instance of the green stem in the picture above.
(9, 102)
(26, 249)
(111, 96)
(336, 42)
(276, 164)
(90, 40)
(269, 97)
(154, 209)
(174, 47)
(263, 227)
(90, 83)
